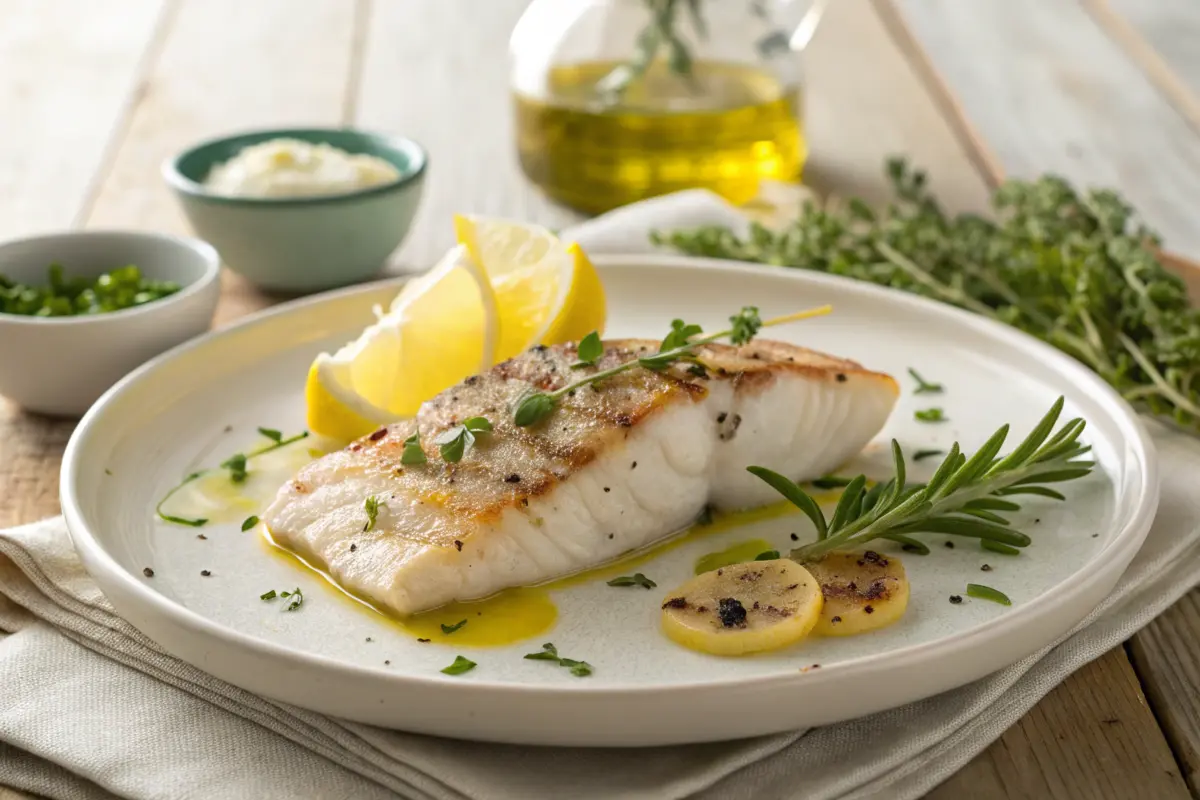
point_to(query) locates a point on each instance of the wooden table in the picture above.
(94, 94)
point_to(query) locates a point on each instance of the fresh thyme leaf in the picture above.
(636, 579)
(448, 629)
(535, 406)
(249, 522)
(930, 415)
(236, 464)
(768, 555)
(921, 455)
(452, 449)
(272, 434)
(412, 453)
(580, 669)
(987, 593)
(589, 351)
(679, 336)
(459, 666)
(1077, 269)
(548, 653)
(372, 505)
(963, 498)
(745, 325)
(271, 595)
(924, 386)
(477, 424)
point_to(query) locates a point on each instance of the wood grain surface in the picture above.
(968, 91)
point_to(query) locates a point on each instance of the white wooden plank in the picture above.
(225, 65)
(1051, 92)
(67, 69)
(444, 83)
(1171, 27)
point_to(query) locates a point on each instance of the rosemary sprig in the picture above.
(531, 408)
(965, 496)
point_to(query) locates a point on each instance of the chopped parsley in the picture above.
(372, 505)
(589, 351)
(636, 579)
(580, 669)
(413, 453)
(930, 415)
(459, 666)
(448, 629)
(924, 386)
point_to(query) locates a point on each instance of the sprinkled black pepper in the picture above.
(206, 573)
(675, 602)
(721, 417)
(950, 545)
(149, 573)
(607, 489)
(353, 547)
(387, 663)
(841, 378)
(835, 619)
(986, 568)
(955, 599)
(795, 538)
(379, 434)
(633, 465)
(514, 478)
(423, 641)
(369, 639)
(868, 609)
(458, 545)
(202, 537)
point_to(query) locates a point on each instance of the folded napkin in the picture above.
(90, 708)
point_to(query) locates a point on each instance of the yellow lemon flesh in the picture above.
(863, 591)
(743, 608)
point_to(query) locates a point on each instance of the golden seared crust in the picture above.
(511, 465)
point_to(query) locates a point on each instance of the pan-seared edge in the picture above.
(616, 466)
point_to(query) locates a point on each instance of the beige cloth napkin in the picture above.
(89, 708)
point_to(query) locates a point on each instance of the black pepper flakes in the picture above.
(868, 609)
(721, 417)
(149, 573)
(955, 599)
(986, 568)
(202, 537)
(514, 478)
(353, 547)
(795, 538)
(458, 545)
(633, 465)
(379, 434)
(835, 619)
(675, 602)
(423, 641)
(607, 489)
(369, 639)
(950, 545)
(387, 663)
(841, 378)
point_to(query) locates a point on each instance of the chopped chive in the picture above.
(930, 415)
(987, 593)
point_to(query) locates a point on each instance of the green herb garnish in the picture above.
(589, 351)
(987, 593)
(459, 666)
(924, 386)
(297, 599)
(930, 415)
(271, 595)
(769, 555)
(193, 523)
(1078, 270)
(636, 579)
(448, 629)
(535, 406)
(236, 464)
(249, 522)
(372, 505)
(580, 669)
(453, 443)
(413, 453)
(965, 496)
(116, 290)
(272, 434)
(921, 455)
(681, 333)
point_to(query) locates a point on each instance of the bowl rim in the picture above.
(174, 177)
(207, 253)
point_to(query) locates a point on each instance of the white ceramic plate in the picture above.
(201, 402)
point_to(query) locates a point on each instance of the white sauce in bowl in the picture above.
(293, 168)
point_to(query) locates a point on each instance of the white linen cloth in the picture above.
(90, 708)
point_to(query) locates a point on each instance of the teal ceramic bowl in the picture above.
(302, 244)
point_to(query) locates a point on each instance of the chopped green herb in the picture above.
(637, 579)
(454, 442)
(681, 333)
(930, 415)
(589, 351)
(769, 555)
(532, 408)
(271, 595)
(413, 454)
(297, 598)
(249, 522)
(372, 505)
(549, 652)
(116, 290)
(921, 455)
(924, 386)
(448, 629)
(272, 434)
(195, 523)
(459, 666)
(997, 547)
(236, 464)
(745, 325)
(987, 593)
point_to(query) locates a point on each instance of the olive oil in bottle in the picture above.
(723, 127)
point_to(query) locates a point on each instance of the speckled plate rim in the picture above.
(155, 614)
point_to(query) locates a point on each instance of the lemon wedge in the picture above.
(504, 288)
(547, 291)
(440, 328)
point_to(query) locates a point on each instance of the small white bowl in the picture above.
(61, 365)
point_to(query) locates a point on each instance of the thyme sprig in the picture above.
(679, 345)
(965, 497)
(1078, 270)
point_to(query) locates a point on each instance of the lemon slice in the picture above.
(547, 292)
(441, 328)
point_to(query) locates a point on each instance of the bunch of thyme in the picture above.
(1078, 270)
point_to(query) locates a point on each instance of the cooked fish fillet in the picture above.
(615, 467)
